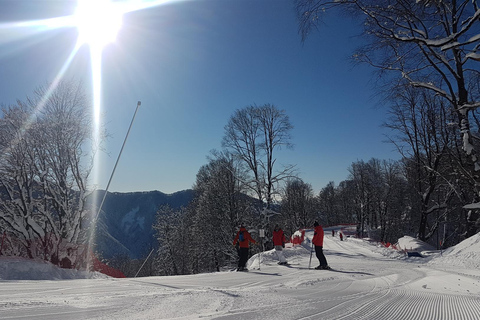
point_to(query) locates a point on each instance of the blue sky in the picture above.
(192, 64)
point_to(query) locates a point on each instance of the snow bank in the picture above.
(465, 254)
(17, 268)
(408, 243)
(292, 253)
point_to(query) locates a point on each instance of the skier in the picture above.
(243, 238)
(318, 242)
(279, 243)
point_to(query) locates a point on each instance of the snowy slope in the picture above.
(16, 268)
(368, 282)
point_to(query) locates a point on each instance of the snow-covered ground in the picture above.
(368, 281)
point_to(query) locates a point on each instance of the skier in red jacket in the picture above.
(318, 242)
(279, 243)
(243, 238)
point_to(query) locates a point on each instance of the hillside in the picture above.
(126, 219)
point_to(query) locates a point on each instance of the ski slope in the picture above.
(364, 284)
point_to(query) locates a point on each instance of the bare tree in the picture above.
(297, 205)
(254, 134)
(432, 44)
(327, 204)
(424, 138)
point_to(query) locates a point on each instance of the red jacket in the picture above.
(318, 236)
(278, 237)
(246, 238)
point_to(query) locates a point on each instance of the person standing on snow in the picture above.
(279, 243)
(318, 242)
(243, 238)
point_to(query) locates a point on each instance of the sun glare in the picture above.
(98, 22)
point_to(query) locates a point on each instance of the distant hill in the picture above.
(125, 223)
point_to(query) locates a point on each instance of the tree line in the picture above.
(423, 194)
(429, 52)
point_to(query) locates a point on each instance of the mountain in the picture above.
(125, 222)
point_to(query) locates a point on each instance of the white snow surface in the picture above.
(368, 281)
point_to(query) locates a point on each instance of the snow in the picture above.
(131, 219)
(368, 281)
(413, 244)
(17, 268)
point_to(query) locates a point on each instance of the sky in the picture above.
(192, 64)
(367, 281)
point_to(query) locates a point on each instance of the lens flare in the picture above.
(98, 22)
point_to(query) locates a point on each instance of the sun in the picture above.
(98, 22)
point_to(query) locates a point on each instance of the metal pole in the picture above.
(311, 252)
(94, 221)
(143, 263)
(116, 163)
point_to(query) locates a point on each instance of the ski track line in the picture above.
(293, 305)
(436, 306)
(60, 314)
(43, 291)
(401, 305)
(311, 303)
(334, 288)
(419, 305)
(395, 307)
(381, 291)
(348, 305)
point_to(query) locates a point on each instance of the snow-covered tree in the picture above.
(45, 168)
(176, 243)
(220, 205)
(18, 179)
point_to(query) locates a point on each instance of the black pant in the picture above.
(320, 256)
(242, 257)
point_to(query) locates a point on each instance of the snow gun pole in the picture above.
(136, 274)
(116, 163)
(94, 221)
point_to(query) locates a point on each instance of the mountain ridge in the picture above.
(126, 220)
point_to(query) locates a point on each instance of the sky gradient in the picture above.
(192, 64)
